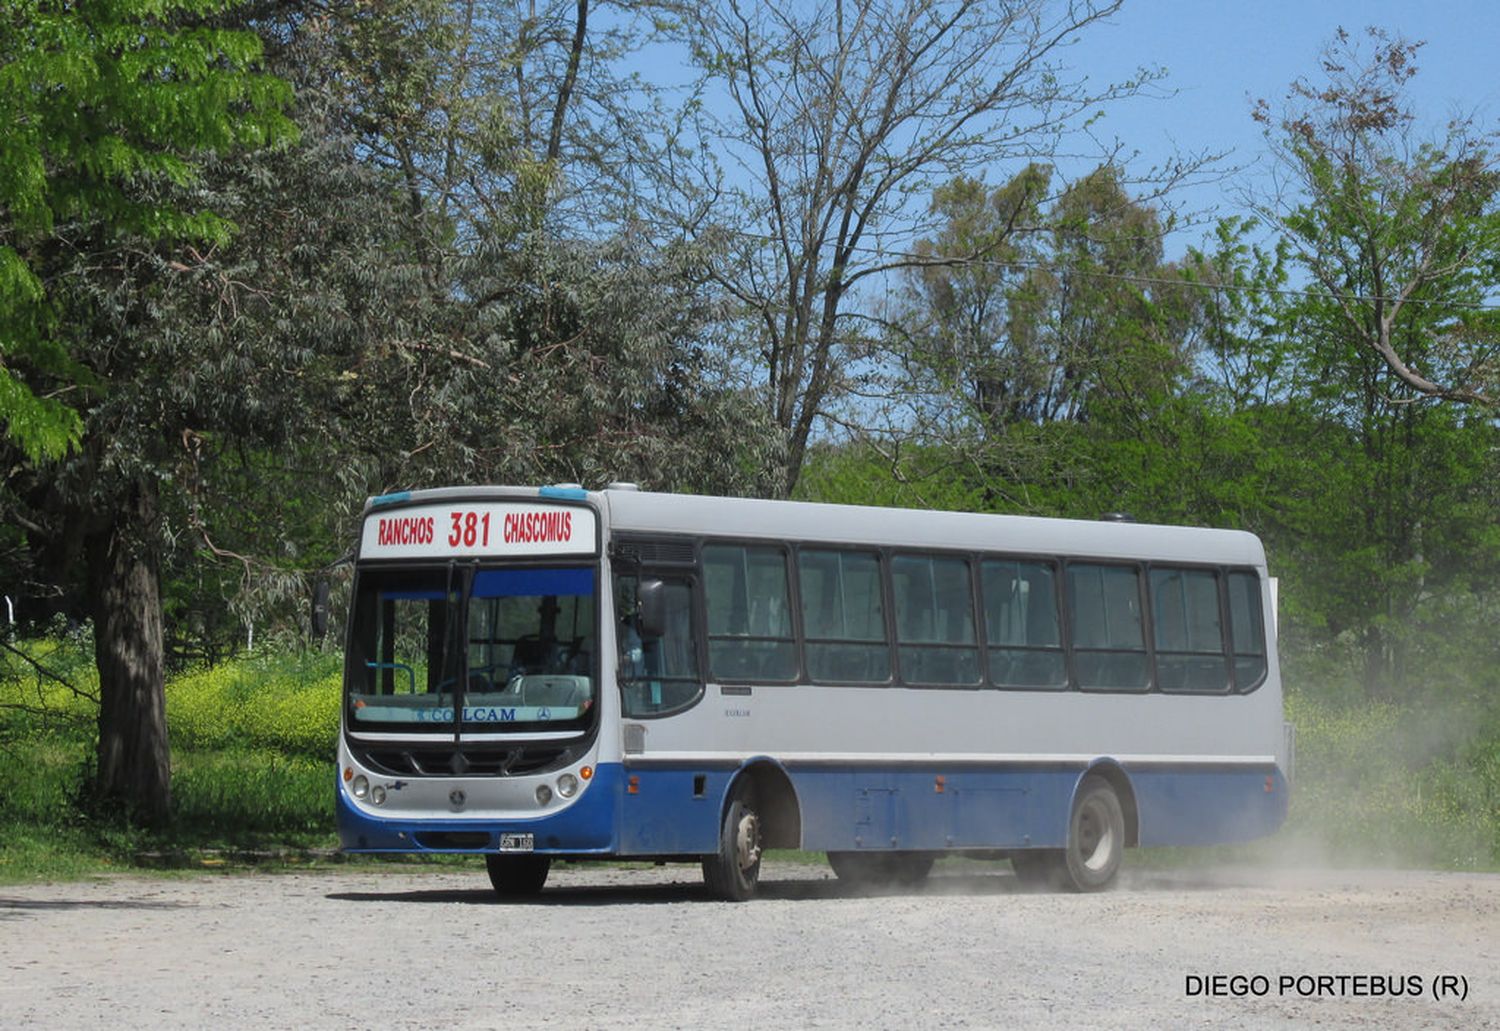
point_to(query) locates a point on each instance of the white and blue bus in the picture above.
(536, 674)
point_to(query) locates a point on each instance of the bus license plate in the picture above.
(517, 842)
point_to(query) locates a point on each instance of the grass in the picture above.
(253, 741)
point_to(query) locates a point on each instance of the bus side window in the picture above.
(1190, 652)
(936, 644)
(1247, 631)
(843, 617)
(1020, 613)
(1109, 643)
(749, 613)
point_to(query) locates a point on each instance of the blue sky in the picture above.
(1220, 55)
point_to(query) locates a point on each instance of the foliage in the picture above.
(98, 100)
(252, 740)
(1402, 233)
(1385, 784)
(1385, 487)
(835, 124)
(252, 765)
(288, 705)
(113, 108)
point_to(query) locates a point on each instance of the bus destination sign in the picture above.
(482, 528)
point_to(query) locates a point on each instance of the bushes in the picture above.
(285, 704)
(253, 792)
(1385, 784)
(252, 739)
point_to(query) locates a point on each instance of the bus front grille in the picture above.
(442, 759)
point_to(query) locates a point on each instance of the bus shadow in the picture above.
(625, 893)
(13, 907)
(622, 890)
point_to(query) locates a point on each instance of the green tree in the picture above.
(1379, 380)
(111, 109)
(97, 99)
(955, 322)
(1067, 362)
(835, 118)
(1401, 231)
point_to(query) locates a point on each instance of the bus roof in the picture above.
(642, 512)
(645, 512)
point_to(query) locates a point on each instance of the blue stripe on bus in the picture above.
(507, 583)
(1209, 806)
(1004, 807)
(390, 499)
(674, 813)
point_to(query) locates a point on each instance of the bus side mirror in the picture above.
(320, 610)
(651, 611)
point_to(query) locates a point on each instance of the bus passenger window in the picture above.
(1020, 620)
(1109, 644)
(1247, 631)
(843, 617)
(749, 614)
(936, 644)
(1190, 654)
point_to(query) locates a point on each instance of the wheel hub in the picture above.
(747, 841)
(1095, 838)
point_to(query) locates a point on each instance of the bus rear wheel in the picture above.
(733, 872)
(1096, 837)
(515, 877)
(1096, 845)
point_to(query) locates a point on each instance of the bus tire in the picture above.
(515, 877)
(1096, 837)
(733, 872)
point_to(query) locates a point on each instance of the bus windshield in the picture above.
(457, 649)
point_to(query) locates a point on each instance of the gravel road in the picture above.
(609, 947)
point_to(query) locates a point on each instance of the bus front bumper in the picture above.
(588, 826)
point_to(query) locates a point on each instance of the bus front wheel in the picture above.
(517, 876)
(734, 871)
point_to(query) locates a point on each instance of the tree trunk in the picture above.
(134, 763)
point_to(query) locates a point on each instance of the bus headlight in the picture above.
(377, 794)
(543, 794)
(361, 786)
(567, 785)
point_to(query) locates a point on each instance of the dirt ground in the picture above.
(611, 947)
